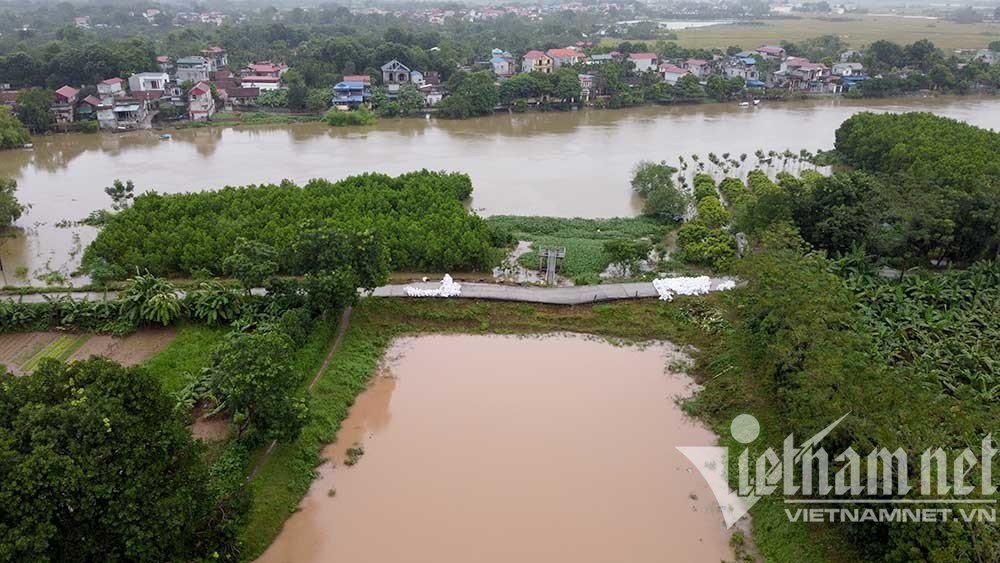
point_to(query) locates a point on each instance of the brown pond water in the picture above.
(563, 163)
(498, 449)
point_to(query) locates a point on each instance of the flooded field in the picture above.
(567, 164)
(501, 449)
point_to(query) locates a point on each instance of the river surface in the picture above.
(561, 163)
(500, 449)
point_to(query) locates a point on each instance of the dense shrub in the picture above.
(338, 118)
(419, 216)
(704, 186)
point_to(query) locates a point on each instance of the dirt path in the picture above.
(345, 319)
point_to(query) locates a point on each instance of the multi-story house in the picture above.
(564, 57)
(536, 61)
(193, 69)
(395, 75)
(148, 81)
(644, 61)
(201, 104)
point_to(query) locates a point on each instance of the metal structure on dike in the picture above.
(548, 260)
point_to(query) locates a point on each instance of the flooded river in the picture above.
(563, 164)
(499, 449)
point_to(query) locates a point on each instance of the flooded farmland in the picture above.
(500, 449)
(567, 164)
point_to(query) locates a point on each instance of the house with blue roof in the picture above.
(350, 94)
(502, 63)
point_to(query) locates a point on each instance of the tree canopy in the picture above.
(419, 217)
(96, 468)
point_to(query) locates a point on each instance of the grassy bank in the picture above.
(286, 476)
(189, 351)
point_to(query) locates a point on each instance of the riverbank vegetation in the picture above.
(338, 118)
(13, 133)
(420, 217)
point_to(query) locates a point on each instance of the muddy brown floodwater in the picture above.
(566, 164)
(498, 449)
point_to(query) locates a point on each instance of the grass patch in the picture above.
(583, 238)
(187, 353)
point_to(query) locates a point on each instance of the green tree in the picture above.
(33, 109)
(121, 194)
(648, 176)
(712, 213)
(13, 133)
(97, 468)
(471, 95)
(252, 262)
(253, 376)
(10, 208)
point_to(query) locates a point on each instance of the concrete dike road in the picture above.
(574, 295)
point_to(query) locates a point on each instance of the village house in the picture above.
(771, 52)
(599, 59)
(740, 67)
(801, 74)
(201, 104)
(164, 63)
(8, 97)
(262, 83)
(130, 114)
(698, 67)
(65, 104)
(502, 64)
(241, 98)
(847, 69)
(146, 81)
(644, 61)
(849, 54)
(265, 68)
(87, 108)
(432, 93)
(193, 69)
(217, 57)
(349, 94)
(395, 75)
(536, 61)
(417, 78)
(671, 73)
(110, 89)
(564, 57)
(587, 86)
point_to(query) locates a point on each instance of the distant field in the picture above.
(857, 32)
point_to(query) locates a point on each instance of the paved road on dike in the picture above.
(576, 295)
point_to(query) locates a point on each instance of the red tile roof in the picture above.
(114, 80)
(260, 79)
(357, 78)
(92, 100)
(770, 49)
(162, 59)
(243, 92)
(8, 97)
(672, 68)
(533, 54)
(642, 56)
(264, 67)
(696, 62)
(563, 53)
(67, 92)
(199, 89)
